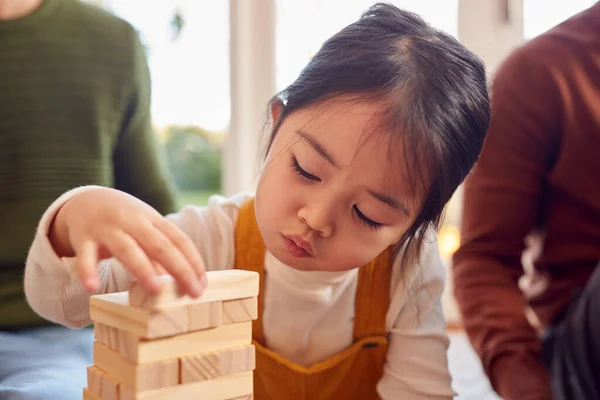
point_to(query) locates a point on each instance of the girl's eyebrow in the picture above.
(318, 147)
(390, 201)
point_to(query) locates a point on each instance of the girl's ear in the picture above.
(276, 109)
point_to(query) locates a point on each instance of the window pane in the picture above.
(541, 15)
(302, 26)
(187, 45)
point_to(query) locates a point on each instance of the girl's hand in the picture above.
(101, 223)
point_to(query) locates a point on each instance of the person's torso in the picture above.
(570, 205)
(333, 342)
(62, 101)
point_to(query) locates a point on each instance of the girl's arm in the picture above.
(417, 366)
(52, 285)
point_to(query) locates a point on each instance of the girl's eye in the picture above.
(365, 220)
(302, 173)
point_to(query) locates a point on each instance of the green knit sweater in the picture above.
(74, 110)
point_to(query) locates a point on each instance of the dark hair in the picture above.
(435, 91)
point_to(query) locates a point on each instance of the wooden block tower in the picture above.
(171, 346)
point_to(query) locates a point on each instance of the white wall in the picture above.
(491, 28)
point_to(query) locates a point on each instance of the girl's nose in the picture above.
(318, 218)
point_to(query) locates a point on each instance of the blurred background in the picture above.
(215, 64)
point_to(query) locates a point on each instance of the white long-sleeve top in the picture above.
(307, 316)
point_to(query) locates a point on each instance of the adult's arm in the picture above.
(501, 198)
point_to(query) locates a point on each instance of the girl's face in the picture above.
(330, 198)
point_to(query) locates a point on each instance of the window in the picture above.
(541, 15)
(187, 45)
(302, 26)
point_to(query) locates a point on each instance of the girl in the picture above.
(365, 149)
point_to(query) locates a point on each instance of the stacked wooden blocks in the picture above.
(171, 346)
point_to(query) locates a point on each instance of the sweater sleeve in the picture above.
(416, 366)
(501, 198)
(51, 285)
(139, 163)
(54, 291)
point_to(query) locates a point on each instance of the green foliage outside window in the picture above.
(194, 158)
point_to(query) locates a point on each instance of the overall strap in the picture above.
(373, 296)
(250, 256)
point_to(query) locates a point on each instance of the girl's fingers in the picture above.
(160, 249)
(184, 244)
(124, 248)
(86, 262)
(160, 270)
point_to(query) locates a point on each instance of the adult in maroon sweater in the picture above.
(538, 182)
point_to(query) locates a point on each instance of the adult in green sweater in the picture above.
(74, 110)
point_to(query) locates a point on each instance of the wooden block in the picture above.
(113, 309)
(122, 342)
(240, 310)
(101, 333)
(245, 397)
(225, 387)
(205, 315)
(94, 380)
(222, 285)
(88, 395)
(102, 384)
(213, 339)
(110, 387)
(137, 377)
(205, 366)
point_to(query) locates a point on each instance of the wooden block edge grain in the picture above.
(222, 285)
(111, 387)
(114, 310)
(94, 380)
(124, 343)
(88, 395)
(204, 315)
(213, 339)
(240, 310)
(211, 365)
(101, 384)
(226, 387)
(136, 377)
